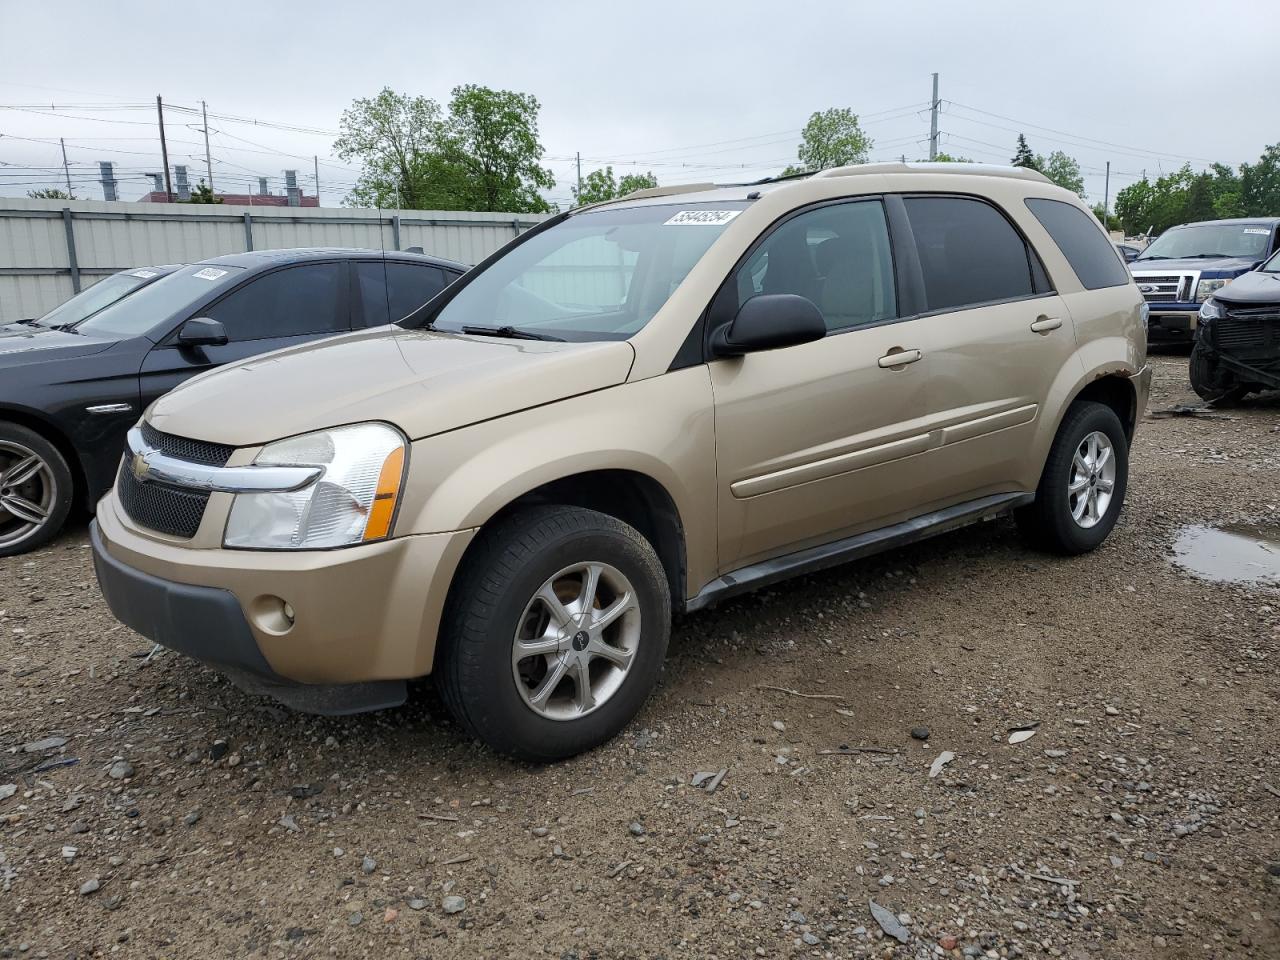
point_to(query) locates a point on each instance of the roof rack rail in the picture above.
(969, 169)
(672, 190)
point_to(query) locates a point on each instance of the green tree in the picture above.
(600, 185)
(395, 139)
(1134, 207)
(50, 193)
(1023, 157)
(948, 158)
(490, 151)
(1101, 215)
(1260, 184)
(1062, 170)
(831, 138)
(201, 193)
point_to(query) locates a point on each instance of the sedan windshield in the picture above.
(136, 315)
(599, 275)
(1246, 241)
(101, 294)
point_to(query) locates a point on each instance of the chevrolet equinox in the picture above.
(639, 407)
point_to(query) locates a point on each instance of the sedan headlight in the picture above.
(1211, 310)
(1207, 288)
(353, 501)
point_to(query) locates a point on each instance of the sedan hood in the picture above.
(1251, 289)
(424, 382)
(22, 343)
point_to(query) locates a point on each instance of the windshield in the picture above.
(135, 315)
(599, 275)
(101, 294)
(1246, 241)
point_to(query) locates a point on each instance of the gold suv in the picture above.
(639, 407)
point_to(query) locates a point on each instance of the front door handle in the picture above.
(1045, 324)
(897, 357)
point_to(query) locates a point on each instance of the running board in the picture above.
(768, 572)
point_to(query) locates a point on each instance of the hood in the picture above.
(1251, 288)
(425, 382)
(23, 343)
(1221, 266)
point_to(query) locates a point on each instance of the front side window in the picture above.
(391, 290)
(1206, 241)
(599, 275)
(969, 253)
(286, 303)
(837, 256)
(1079, 236)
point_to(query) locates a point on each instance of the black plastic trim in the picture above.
(826, 555)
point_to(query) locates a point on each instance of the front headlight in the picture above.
(1207, 288)
(353, 501)
(1211, 310)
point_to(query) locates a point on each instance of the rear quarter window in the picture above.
(1081, 240)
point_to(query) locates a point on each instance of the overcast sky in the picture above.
(690, 91)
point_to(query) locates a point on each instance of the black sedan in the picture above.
(68, 395)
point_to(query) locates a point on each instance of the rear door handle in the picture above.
(1045, 324)
(899, 358)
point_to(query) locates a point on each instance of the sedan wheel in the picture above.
(28, 494)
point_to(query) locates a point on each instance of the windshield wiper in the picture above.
(511, 333)
(1156, 257)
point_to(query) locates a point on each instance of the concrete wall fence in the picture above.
(52, 249)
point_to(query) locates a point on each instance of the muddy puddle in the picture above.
(1244, 553)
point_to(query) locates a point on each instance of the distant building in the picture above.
(239, 199)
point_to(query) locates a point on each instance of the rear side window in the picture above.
(969, 253)
(1079, 236)
(286, 303)
(391, 291)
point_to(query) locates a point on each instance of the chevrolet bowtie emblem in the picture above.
(141, 466)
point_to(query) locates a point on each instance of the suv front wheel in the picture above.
(1083, 484)
(556, 632)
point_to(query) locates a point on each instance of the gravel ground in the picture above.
(172, 816)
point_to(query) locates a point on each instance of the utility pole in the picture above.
(65, 169)
(164, 152)
(208, 163)
(579, 158)
(1106, 200)
(316, 160)
(933, 122)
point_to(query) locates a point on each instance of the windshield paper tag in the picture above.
(143, 274)
(209, 273)
(701, 218)
(1259, 230)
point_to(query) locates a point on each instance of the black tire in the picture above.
(499, 577)
(1047, 523)
(1210, 383)
(60, 501)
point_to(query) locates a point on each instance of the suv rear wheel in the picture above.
(556, 632)
(1083, 484)
(35, 490)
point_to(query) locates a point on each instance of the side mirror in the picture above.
(769, 321)
(202, 332)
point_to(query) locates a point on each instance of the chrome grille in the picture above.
(1169, 288)
(160, 507)
(197, 451)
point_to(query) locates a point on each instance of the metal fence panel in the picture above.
(36, 267)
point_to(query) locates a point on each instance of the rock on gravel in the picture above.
(888, 922)
(453, 904)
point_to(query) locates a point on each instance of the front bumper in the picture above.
(365, 617)
(1172, 321)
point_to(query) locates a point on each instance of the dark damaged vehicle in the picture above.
(1188, 264)
(70, 391)
(1238, 350)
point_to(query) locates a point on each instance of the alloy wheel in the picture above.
(28, 492)
(576, 641)
(1093, 479)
